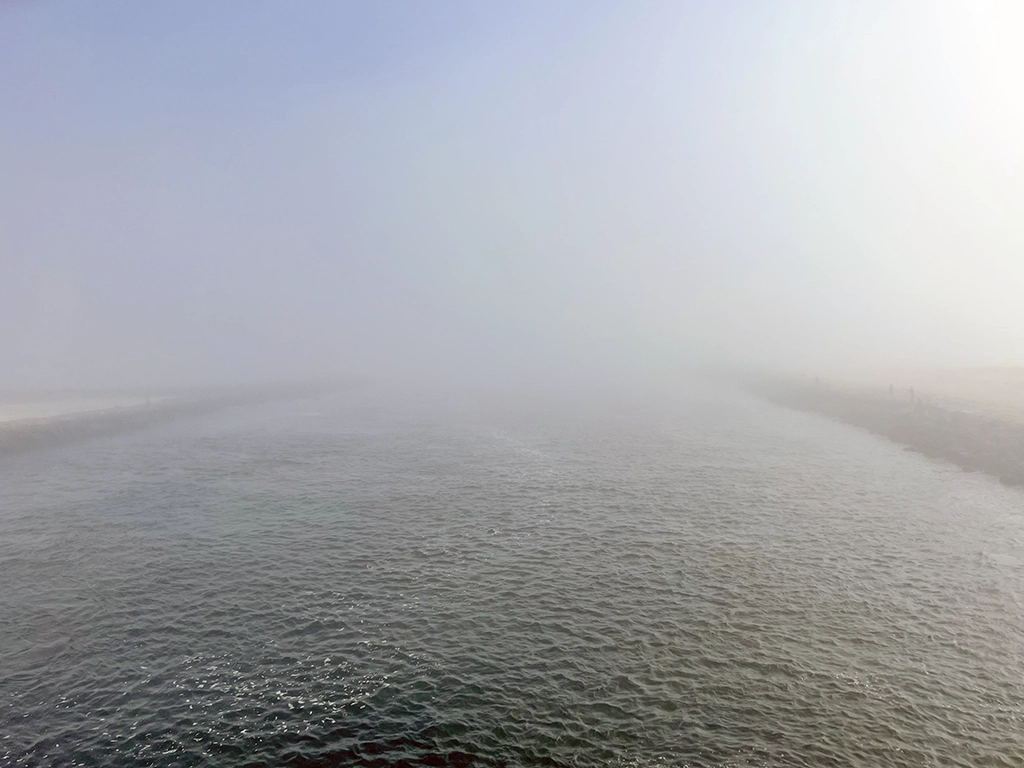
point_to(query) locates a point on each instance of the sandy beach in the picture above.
(33, 422)
(34, 408)
(973, 418)
(995, 392)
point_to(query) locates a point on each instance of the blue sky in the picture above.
(225, 191)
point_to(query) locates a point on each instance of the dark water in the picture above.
(713, 581)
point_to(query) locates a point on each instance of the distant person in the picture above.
(911, 394)
(890, 390)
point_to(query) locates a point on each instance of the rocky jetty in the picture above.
(976, 441)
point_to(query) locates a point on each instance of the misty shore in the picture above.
(972, 439)
(29, 434)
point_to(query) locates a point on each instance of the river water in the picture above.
(371, 579)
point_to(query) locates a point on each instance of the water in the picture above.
(703, 581)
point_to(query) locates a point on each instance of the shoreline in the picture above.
(974, 440)
(31, 434)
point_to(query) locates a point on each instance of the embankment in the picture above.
(975, 441)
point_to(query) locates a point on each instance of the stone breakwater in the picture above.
(33, 434)
(973, 441)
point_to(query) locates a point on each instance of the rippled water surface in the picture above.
(704, 581)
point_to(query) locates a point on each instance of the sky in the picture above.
(218, 192)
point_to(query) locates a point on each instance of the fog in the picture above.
(202, 193)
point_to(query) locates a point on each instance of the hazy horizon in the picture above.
(198, 194)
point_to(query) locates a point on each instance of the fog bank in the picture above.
(212, 194)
